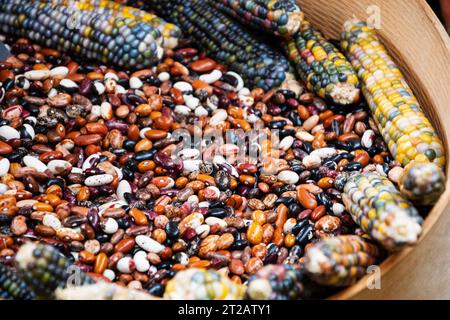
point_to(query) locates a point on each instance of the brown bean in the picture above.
(236, 266)
(19, 225)
(208, 245)
(253, 265)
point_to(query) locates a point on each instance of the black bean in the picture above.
(305, 235)
(239, 244)
(322, 198)
(299, 226)
(272, 254)
(172, 230)
(145, 155)
(5, 219)
(219, 212)
(353, 166)
(156, 289)
(102, 237)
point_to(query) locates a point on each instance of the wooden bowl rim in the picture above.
(438, 209)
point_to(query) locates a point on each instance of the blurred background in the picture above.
(442, 9)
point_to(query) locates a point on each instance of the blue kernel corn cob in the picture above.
(411, 138)
(322, 67)
(278, 17)
(340, 261)
(121, 41)
(226, 41)
(380, 210)
(12, 287)
(45, 269)
(171, 34)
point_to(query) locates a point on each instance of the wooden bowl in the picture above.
(421, 47)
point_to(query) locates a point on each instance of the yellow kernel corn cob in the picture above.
(406, 130)
(340, 261)
(202, 284)
(379, 209)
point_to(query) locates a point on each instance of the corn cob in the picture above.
(380, 210)
(120, 41)
(279, 17)
(409, 135)
(12, 287)
(322, 67)
(101, 291)
(276, 282)
(227, 41)
(340, 261)
(170, 33)
(44, 269)
(201, 284)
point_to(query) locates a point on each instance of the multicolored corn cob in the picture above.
(340, 261)
(201, 284)
(279, 17)
(422, 182)
(44, 269)
(380, 210)
(406, 130)
(171, 34)
(276, 282)
(12, 287)
(121, 41)
(101, 291)
(322, 67)
(226, 41)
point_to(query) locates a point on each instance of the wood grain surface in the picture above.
(421, 47)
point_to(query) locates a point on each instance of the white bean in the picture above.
(183, 86)
(50, 220)
(109, 225)
(37, 74)
(141, 261)
(164, 76)
(59, 72)
(98, 180)
(9, 133)
(108, 273)
(324, 152)
(211, 77)
(149, 244)
(122, 188)
(59, 166)
(219, 116)
(288, 177)
(126, 265)
(35, 163)
(135, 83)
(4, 166)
